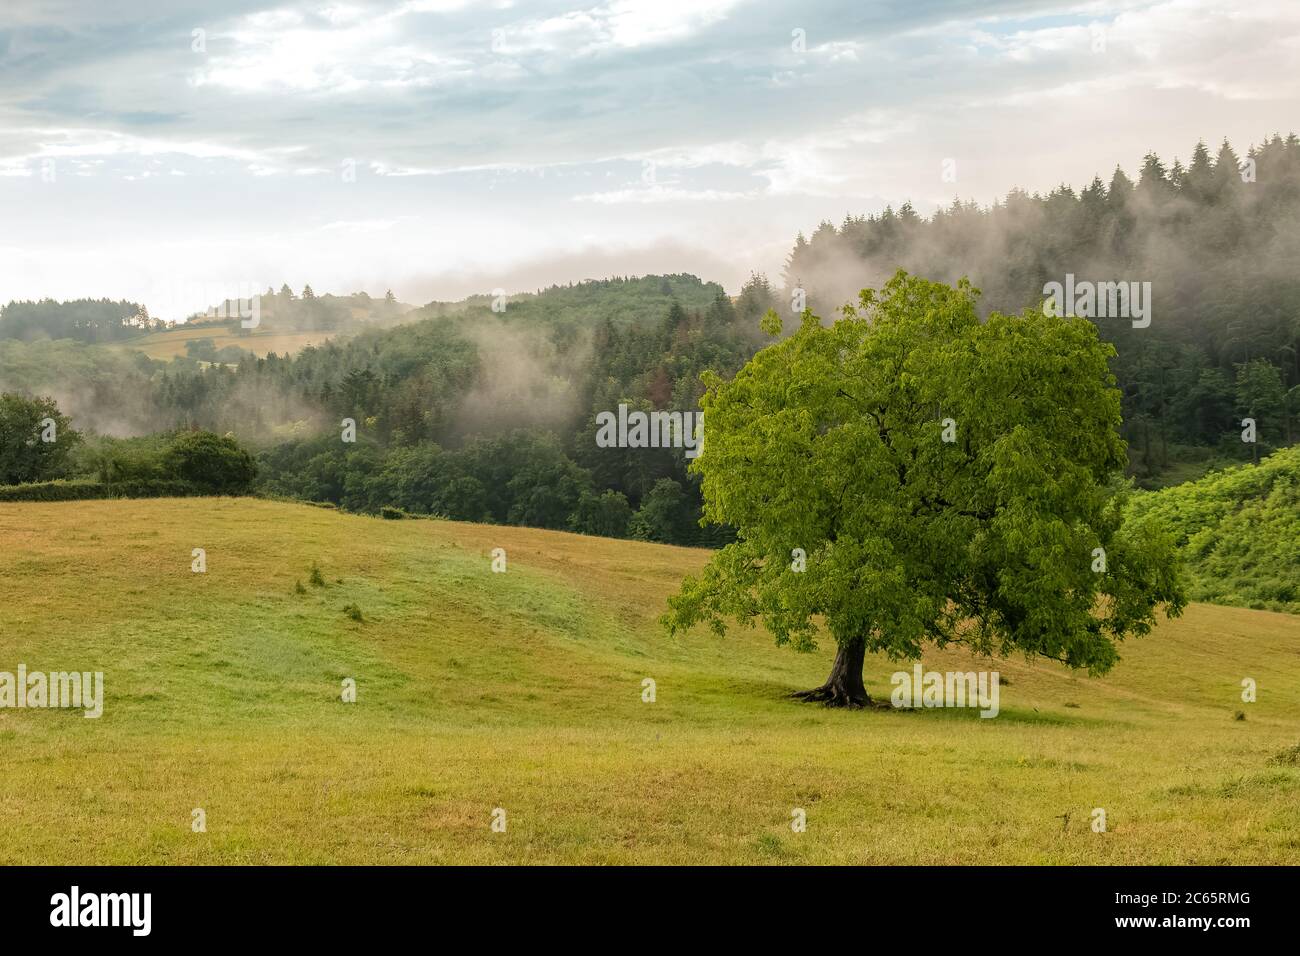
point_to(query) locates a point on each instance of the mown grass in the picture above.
(523, 691)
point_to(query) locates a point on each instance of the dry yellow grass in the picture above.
(523, 691)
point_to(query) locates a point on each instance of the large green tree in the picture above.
(909, 474)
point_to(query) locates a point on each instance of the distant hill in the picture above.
(623, 301)
(1239, 530)
(287, 322)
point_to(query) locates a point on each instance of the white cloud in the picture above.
(57, 143)
(534, 148)
(662, 193)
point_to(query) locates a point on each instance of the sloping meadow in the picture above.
(333, 688)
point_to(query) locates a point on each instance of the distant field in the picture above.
(171, 343)
(523, 691)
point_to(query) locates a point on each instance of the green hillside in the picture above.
(523, 691)
(629, 301)
(1239, 530)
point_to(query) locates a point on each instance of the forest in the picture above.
(485, 409)
(1218, 238)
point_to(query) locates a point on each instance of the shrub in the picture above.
(116, 460)
(214, 462)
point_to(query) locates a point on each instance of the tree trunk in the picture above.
(844, 687)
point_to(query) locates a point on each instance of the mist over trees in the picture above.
(1218, 239)
(466, 410)
(485, 409)
(490, 416)
(286, 311)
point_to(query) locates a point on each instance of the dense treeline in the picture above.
(307, 311)
(84, 320)
(1218, 239)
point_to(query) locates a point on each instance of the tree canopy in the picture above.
(910, 474)
(35, 439)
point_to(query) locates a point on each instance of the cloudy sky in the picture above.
(175, 151)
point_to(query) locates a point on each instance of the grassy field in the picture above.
(523, 691)
(261, 342)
